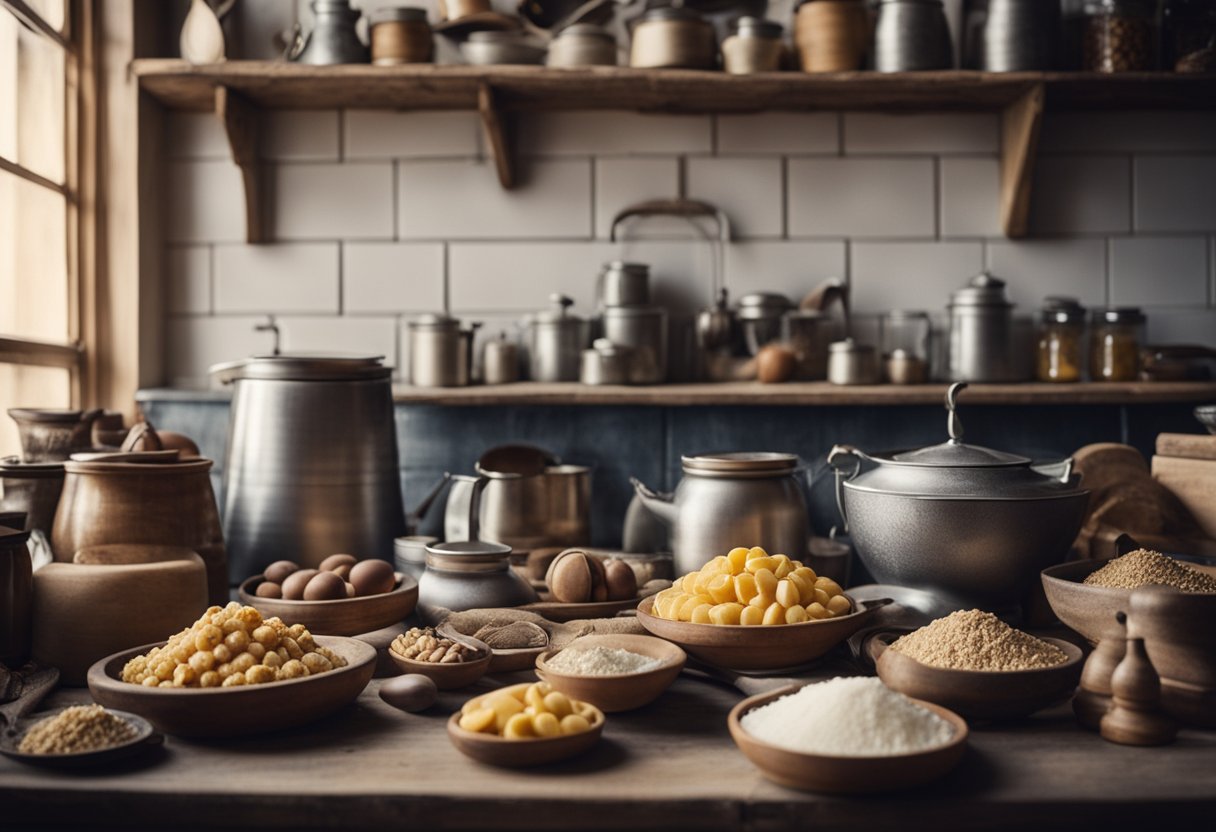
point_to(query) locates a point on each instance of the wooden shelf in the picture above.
(813, 393)
(242, 87)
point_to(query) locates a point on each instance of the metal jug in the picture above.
(333, 39)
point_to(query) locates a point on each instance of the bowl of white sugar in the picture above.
(613, 672)
(847, 736)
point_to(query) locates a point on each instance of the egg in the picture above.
(332, 562)
(342, 571)
(775, 364)
(372, 577)
(278, 571)
(269, 589)
(293, 584)
(325, 586)
(622, 583)
(411, 692)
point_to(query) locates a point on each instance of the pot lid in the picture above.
(981, 290)
(740, 463)
(304, 367)
(11, 466)
(763, 305)
(954, 453)
(559, 312)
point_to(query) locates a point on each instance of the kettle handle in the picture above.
(836, 458)
(479, 485)
(953, 425)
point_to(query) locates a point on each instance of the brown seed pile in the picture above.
(75, 730)
(1144, 566)
(425, 645)
(975, 640)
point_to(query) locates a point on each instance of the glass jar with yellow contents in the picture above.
(1114, 348)
(1061, 340)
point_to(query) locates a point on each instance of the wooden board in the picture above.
(813, 393)
(671, 765)
(1188, 445)
(285, 85)
(1193, 482)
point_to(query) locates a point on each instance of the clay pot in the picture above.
(53, 435)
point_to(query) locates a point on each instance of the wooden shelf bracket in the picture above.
(241, 120)
(493, 122)
(1020, 123)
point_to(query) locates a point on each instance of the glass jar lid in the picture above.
(1062, 310)
(1119, 315)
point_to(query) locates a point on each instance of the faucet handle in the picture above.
(270, 326)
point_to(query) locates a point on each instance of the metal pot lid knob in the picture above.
(954, 425)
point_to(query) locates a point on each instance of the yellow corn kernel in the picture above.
(839, 605)
(796, 614)
(670, 606)
(787, 594)
(751, 616)
(756, 564)
(584, 709)
(821, 597)
(685, 611)
(818, 611)
(518, 727)
(575, 724)
(745, 587)
(726, 613)
(716, 566)
(806, 573)
(737, 557)
(505, 707)
(479, 721)
(756, 552)
(775, 614)
(558, 704)
(722, 589)
(763, 600)
(535, 699)
(701, 614)
(800, 583)
(828, 585)
(687, 584)
(766, 582)
(546, 725)
(785, 566)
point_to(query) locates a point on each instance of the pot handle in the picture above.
(836, 458)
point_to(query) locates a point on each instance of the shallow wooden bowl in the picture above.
(980, 694)
(211, 713)
(501, 660)
(343, 617)
(497, 751)
(757, 647)
(622, 692)
(561, 612)
(145, 737)
(846, 775)
(448, 676)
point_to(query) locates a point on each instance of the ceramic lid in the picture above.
(981, 290)
(304, 367)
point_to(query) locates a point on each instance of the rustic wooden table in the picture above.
(669, 766)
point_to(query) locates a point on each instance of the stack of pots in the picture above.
(635, 332)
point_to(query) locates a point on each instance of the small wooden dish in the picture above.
(758, 647)
(448, 676)
(343, 617)
(211, 713)
(979, 694)
(561, 612)
(145, 737)
(494, 750)
(623, 692)
(501, 660)
(846, 775)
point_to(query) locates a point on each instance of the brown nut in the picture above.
(332, 562)
(269, 589)
(570, 577)
(293, 585)
(278, 571)
(622, 583)
(325, 586)
(372, 577)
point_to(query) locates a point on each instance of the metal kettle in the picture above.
(333, 39)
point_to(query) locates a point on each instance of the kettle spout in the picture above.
(661, 506)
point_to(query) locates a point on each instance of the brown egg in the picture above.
(278, 571)
(622, 583)
(372, 577)
(325, 586)
(775, 364)
(411, 692)
(569, 577)
(334, 561)
(342, 571)
(269, 589)
(293, 585)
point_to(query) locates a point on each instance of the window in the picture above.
(40, 358)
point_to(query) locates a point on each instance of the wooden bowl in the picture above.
(758, 647)
(211, 713)
(448, 676)
(622, 692)
(1090, 610)
(145, 737)
(494, 750)
(501, 660)
(980, 694)
(846, 775)
(561, 612)
(343, 617)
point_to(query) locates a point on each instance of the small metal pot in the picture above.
(973, 525)
(673, 37)
(643, 331)
(440, 351)
(605, 363)
(852, 363)
(759, 315)
(1020, 35)
(911, 35)
(624, 284)
(474, 574)
(333, 39)
(497, 47)
(754, 45)
(582, 44)
(552, 508)
(556, 340)
(500, 361)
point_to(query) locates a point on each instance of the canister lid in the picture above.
(981, 290)
(763, 305)
(558, 314)
(741, 464)
(624, 266)
(434, 320)
(1119, 315)
(1062, 310)
(397, 14)
(304, 367)
(756, 27)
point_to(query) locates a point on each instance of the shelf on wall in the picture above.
(811, 393)
(237, 90)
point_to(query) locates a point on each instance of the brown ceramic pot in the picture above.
(170, 504)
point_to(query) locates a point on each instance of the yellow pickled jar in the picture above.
(1061, 341)
(1115, 339)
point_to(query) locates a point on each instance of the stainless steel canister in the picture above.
(605, 363)
(582, 44)
(439, 352)
(911, 35)
(1020, 35)
(643, 330)
(981, 332)
(555, 342)
(312, 464)
(624, 284)
(759, 315)
(852, 363)
(500, 361)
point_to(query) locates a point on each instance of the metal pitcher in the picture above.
(333, 39)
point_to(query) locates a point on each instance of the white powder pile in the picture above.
(600, 661)
(848, 717)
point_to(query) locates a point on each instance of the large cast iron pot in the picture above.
(970, 524)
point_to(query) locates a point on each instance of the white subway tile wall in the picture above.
(380, 216)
